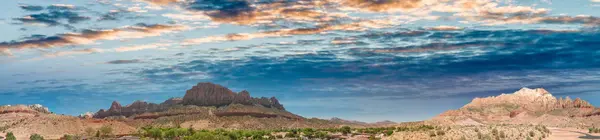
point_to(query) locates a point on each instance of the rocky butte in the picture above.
(203, 94)
(525, 106)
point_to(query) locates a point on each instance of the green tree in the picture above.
(10, 136)
(36, 137)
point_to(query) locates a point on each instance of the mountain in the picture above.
(201, 95)
(526, 106)
(210, 106)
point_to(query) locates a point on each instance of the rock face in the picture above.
(203, 94)
(34, 109)
(523, 106)
(529, 99)
(209, 94)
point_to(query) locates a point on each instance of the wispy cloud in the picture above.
(91, 36)
(74, 52)
(142, 47)
(131, 61)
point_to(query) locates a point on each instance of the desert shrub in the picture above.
(531, 133)
(502, 134)
(432, 134)
(70, 137)
(594, 130)
(205, 136)
(105, 131)
(372, 137)
(400, 129)
(290, 135)
(173, 133)
(346, 130)
(479, 135)
(36, 137)
(155, 133)
(495, 132)
(89, 131)
(529, 138)
(440, 133)
(389, 133)
(321, 134)
(463, 138)
(10, 136)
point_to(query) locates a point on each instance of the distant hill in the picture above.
(526, 106)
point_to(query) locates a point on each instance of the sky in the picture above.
(366, 60)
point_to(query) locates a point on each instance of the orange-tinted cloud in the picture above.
(160, 2)
(382, 5)
(91, 36)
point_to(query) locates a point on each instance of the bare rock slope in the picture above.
(526, 106)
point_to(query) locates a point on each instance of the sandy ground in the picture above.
(571, 134)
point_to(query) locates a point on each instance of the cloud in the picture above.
(355, 26)
(5, 52)
(160, 2)
(32, 8)
(54, 17)
(238, 11)
(124, 61)
(61, 7)
(74, 52)
(91, 36)
(587, 20)
(141, 47)
(189, 17)
(382, 5)
(445, 28)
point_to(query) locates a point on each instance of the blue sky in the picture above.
(354, 59)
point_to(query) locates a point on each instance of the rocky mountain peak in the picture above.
(533, 92)
(115, 106)
(534, 102)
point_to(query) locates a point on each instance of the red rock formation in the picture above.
(203, 94)
(243, 98)
(533, 102)
(208, 94)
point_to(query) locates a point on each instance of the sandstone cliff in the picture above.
(203, 94)
(523, 106)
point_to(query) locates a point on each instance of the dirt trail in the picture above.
(571, 134)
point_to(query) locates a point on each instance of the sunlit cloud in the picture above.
(74, 52)
(141, 47)
(91, 36)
